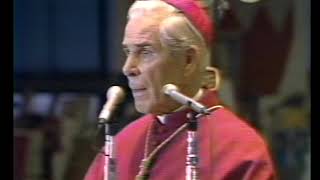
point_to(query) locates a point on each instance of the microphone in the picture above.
(173, 91)
(115, 95)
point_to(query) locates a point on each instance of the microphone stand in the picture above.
(192, 148)
(192, 169)
(110, 170)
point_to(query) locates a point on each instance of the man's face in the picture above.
(149, 66)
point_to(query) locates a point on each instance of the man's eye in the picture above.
(146, 51)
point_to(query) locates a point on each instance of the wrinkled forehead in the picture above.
(142, 30)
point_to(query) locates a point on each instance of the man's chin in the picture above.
(147, 108)
(141, 107)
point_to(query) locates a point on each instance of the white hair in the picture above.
(176, 31)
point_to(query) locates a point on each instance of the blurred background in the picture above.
(68, 53)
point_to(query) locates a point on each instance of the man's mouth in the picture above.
(138, 91)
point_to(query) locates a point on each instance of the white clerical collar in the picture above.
(195, 97)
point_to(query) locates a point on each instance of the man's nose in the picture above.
(130, 68)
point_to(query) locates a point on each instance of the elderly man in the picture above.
(169, 42)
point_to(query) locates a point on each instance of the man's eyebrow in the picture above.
(145, 44)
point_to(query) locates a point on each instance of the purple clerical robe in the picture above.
(228, 148)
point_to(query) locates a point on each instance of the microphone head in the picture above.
(168, 88)
(115, 96)
(115, 91)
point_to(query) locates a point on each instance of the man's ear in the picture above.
(190, 61)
